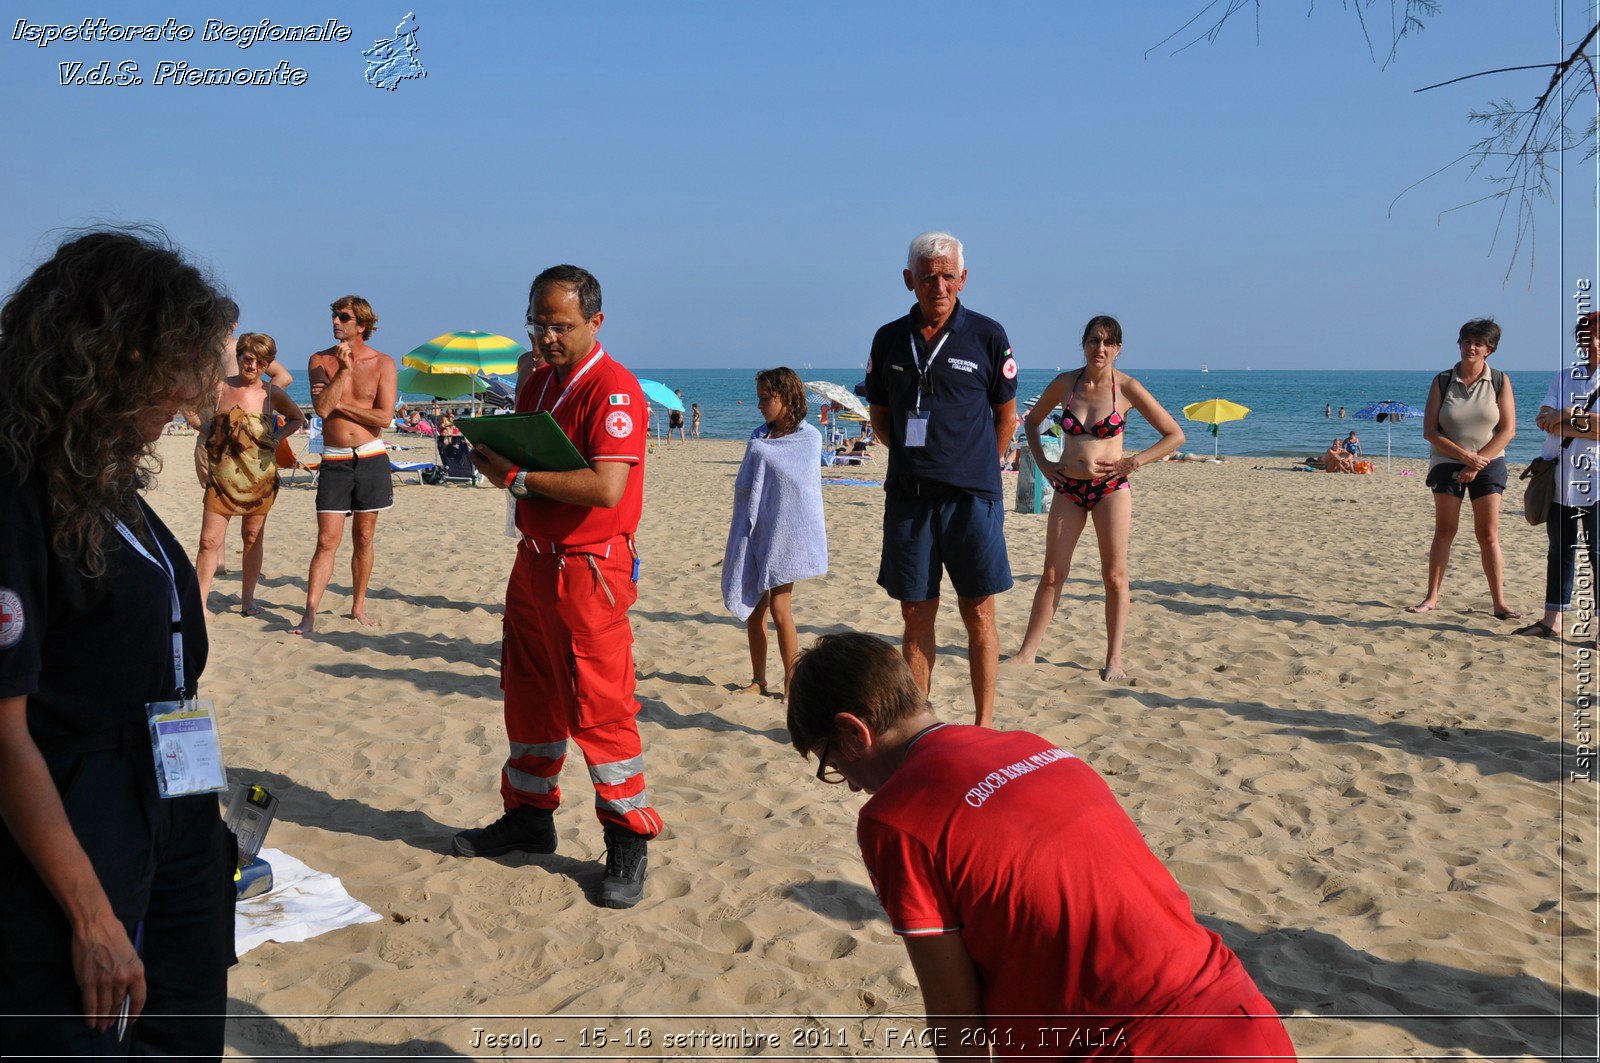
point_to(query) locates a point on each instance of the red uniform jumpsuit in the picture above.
(567, 657)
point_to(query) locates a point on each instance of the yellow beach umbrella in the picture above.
(466, 352)
(1214, 412)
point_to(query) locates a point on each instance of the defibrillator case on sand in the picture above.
(249, 815)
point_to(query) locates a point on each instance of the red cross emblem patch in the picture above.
(11, 623)
(618, 424)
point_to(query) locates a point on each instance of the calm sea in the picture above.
(1286, 406)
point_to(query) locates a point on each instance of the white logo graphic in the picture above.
(1010, 369)
(394, 60)
(618, 424)
(11, 623)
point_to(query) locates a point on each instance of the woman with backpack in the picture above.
(1469, 421)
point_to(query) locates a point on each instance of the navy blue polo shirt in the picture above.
(973, 373)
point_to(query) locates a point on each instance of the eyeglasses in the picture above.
(557, 331)
(343, 316)
(827, 772)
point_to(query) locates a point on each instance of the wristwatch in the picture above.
(519, 485)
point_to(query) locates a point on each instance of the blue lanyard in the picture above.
(165, 565)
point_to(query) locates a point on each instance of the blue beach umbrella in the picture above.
(660, 394)
(1389, 411)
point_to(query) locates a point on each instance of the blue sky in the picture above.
(744, 177)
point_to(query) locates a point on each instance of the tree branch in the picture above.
(1485, 73)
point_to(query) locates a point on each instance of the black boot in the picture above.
(522, 829)
(623, 886)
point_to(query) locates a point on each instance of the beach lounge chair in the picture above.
(398, 469)
(455, 460)
(286, 458)
(400, 465)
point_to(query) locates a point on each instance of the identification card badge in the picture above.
(188, 753)
(916, 430)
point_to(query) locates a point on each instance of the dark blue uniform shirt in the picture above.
(973, 373)
(88, 653)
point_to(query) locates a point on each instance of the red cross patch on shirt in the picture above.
(11, 621)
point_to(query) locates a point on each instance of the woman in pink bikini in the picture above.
(1091, 479)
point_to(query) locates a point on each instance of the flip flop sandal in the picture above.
(1538, 629)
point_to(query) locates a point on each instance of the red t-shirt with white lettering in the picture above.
(601, 408)
(1022, 849)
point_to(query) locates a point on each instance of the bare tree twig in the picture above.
(1485, 73)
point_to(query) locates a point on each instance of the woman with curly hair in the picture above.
(112, 896)
(777, 535)
(239, 443)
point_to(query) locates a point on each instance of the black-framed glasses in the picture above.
(343, 316)
(827, 772)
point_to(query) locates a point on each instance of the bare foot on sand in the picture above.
(755, 686)
(360, 617)
(1113, 672)
(307, 624)
(1427, 605)
(250, 609)
(1017, 660)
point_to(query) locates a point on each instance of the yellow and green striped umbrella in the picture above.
(467, 352)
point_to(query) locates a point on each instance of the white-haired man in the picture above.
(942, 385)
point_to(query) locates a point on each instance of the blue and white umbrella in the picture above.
(1389, 411)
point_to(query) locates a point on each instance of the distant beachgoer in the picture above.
(1352, 444)
(1341, 413)
(1337, 459)
(675, 421)
(114, 896)
(777, 536)
(694, 422)
(353, 390)
(824, 412)
(1470, 419)
(1328, 412)
(942, 392)
(239, 442)
(1091, 480)
(1572, 439)
(1035, 916)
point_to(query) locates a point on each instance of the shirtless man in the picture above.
(353, 390)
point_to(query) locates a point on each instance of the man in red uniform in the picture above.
(567, 658)
(1038, 921)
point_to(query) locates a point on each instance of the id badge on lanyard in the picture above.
(183, 731)
(917, 420)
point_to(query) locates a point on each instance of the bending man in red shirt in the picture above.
(1038, 921)
(567, 658)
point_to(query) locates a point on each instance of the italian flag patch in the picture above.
(619, 399)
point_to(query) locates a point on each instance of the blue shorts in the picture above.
(958, 533)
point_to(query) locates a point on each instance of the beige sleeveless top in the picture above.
(1468, 414)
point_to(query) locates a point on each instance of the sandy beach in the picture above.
(1369, 806)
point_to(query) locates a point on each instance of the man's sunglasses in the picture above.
(343, 316)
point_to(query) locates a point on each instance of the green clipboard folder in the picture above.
(532, 440)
